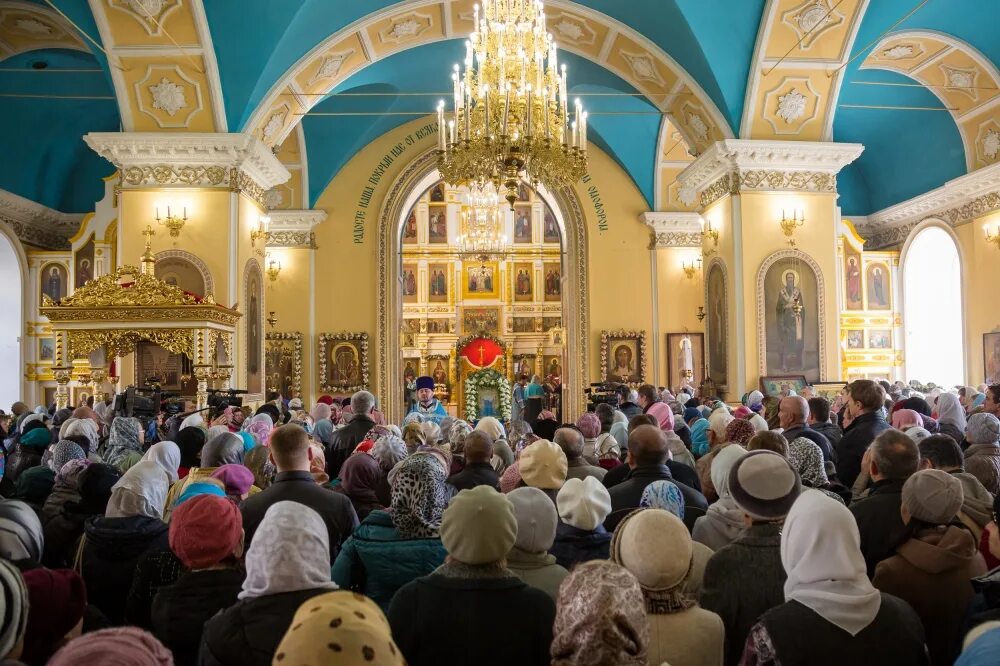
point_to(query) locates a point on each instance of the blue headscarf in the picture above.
(982, 651)
(699, 437)
(199, 488)
(248, 441)
(663, 495)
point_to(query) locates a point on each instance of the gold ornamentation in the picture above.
(122, 342)
(327, 341)
(241, 183)
(212, 176)
(305, 239)
(285, 343)
(142, 290)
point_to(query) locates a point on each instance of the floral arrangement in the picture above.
(486, 379)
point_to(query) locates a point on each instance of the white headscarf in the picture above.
(193, 421)
(167, 455)
(722, 463)
(950, 410)
(215, 431)
(290, 551)
(83, 428)
(821, 553)
(758, 422)
(142, 491)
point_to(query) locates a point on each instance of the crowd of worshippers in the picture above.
(670, 530)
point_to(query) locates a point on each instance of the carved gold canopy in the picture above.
(119, 309)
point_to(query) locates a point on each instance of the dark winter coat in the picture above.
(376, 561)
(879, 522)
(626, 495)
(574, 546)
(831, 431)
(343, 442)
(851, 449)
(814, 436)
(475, 474)
(181, 610)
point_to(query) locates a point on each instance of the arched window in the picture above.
(11, 324)
(932, 297)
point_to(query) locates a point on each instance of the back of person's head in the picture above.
(932, 496)
(648, 393)
(289, 447)
(606, 414)
(942, 451)
(895, 455)
(478, 447)
(623, 392)
(190, 441)
(543, 465)
(640, 420)
(570, 440)
(583, 503)
(362, 402)
(479, 526)
(819, 408)
(432, 432)
(982, 428)
(536, 519)
(718, 421)
(647, 445)
(205, 531)
(768, 440)
(869, 394)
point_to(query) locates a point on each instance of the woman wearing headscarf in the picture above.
(391, 548)
(237, 480)
(932, 567)
(65, 487)
(225, 449)
(413, 436)
(667, 496)
(389, 451)
(590, 427)
(458, 430)
(519, 434)
(951, 417)
(114, 543)
(15, 612)
(906, 418)
(21, 537)
(832, 614)
(503, 456)
(167, 455)
(190, 441)
(723, 522)
(31, 445)
(323, 431)
(123, 646)
(699, 434)
(287, 563)
(656, 548)
(258, 462)
(63, 530)
(359, 478)
(57, 599)
(807, 459)
(599, 618)
(260, 425)
(124, 447)
(665, 421)
(34, 486)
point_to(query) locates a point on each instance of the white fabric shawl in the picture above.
(950, 410)
(142, 491)
(821, 553)
(167, 455)
(290, 551)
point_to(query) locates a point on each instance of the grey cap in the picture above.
(933, 496)
(764, 485)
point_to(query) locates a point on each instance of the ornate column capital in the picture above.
(673, 229)
(732, 166)
(35, 224)
(294, 228)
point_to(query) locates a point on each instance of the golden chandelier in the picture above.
(482, 237)
(511, 117)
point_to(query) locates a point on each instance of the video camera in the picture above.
(219, 399)
(138, 403)
(602, 393)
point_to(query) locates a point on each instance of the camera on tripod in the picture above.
(602, 393)
(139, 403)
(219, 399)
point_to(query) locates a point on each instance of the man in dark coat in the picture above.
(647, 457)
(346, 439)
(625, 404)
(865, 400)
(292, 455)
(477, 471)
(793, 412)
(893, 459)
(819, 420)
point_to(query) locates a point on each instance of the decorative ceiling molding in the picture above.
(38, 225)
(733, 165)
(190, 150)
(673, 229)
(294, 228)
(26, 26)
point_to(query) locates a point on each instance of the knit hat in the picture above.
(543, 465)
(20, 532)
(691, 413)
(237, 478)
(205, 530)
(57, 598)
(764, 485)
(933, 496)
(325, 400)
(656, 547)
(583, 503)
(479, 527)
(14, 604)
(121, 646)
(589, 424)
(982, 428)
(425, 383)
(536, 519)
(36, 438)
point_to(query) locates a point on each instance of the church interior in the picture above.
(315, 197)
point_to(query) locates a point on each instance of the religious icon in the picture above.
(991, 357)
(345, 364)
(878, 287)
(437, 286)
(282, 355)
(791, 319)
(879, 340)
(852, 276)
(548, 323)
(480, 320)
(523, 191)
(522, 281)
(409, 283)
(437, 326)
(84, 265)
(524, 366)
(410, 228)
(437, 225)
(522, 224)
(437, 193)
(524, 324)
(553, 282)
(254, 297)
(46, 349)
(553, 367)
(855, 339)
(718, 362)
(550, 228)
(685, 359)
(343, 361)
(623, 356)
(54, 281)
(480, 279)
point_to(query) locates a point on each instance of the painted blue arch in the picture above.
(331, 141)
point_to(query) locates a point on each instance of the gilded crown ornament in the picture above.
(511, 116)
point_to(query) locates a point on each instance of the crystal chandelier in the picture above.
(482, 223)
(511, 118)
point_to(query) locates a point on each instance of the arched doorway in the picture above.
(418, 329)
(932, 307)
(12, 270)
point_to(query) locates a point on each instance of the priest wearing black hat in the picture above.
(429, 407)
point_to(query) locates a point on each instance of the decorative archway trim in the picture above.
(206, 274)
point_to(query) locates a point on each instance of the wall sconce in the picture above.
(708, 232)
(994, 237)
(701, 313)
(790, 224)
(689, 269)
(273, 270)
(260, 231)
(173, 223)
(271, 320)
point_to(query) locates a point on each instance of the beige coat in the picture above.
(694, 637)
(983, 462)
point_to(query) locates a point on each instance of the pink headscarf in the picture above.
(663, 414)
(904, 418)
(742, 412)
(511, 477)
(124, 646)
(261, 429)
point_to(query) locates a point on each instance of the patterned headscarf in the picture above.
(600, 618)
(69, 474)
(456, 436)
(82, 428)
(740, 431)
(388, 451)
(261, 426)
(418, 497)
(663, 495)
(290, 551)
(63, 452)
(807, 459)
(167, 455)
(124, 440)
(511, 477)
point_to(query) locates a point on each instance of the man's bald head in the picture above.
(570, 440)
(478, 447)
(647, 445)
(792, 411)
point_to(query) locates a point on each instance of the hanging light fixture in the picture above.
(511, 116)
(482, 234)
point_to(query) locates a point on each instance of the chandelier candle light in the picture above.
(482, 221)
(511, 116)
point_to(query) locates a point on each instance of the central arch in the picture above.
(569, 215)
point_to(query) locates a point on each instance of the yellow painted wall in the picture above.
(980, 275)
(288, 298)
(678, 299)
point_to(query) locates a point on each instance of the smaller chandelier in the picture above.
(481, 234)
(173, 223)
(511, 117)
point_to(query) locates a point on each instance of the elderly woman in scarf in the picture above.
(413, 436)
(503, 456)
(124, 448)
(258, 461)
(665, 421)
(951, 417)
(225, 449)
(359, 478)
(829, 599)
(114, 543)
(655, 546)
(806, 458)
(906, 418)
(261, 426)
(599, 618)
(323, 432)
(391, 548)
(723, 522)
(66, 475)
(168, 456)
(31, 446)
(456, 439)
(287, 563)
(389, 451)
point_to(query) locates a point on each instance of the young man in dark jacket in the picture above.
(346, 439)
(819, 420)
(865, 400)
(477, 471)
